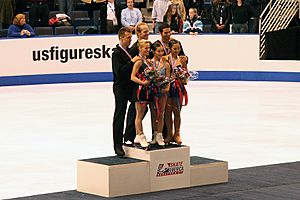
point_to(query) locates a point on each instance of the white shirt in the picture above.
(111, 14)
(131, 17)
(159, 9)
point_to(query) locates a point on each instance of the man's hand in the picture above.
(135, 58)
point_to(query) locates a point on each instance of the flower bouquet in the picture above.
(181, 74)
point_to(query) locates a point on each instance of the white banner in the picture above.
(79, 54)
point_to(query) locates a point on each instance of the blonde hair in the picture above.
(142, 43)
(138, 27)
(18, 18)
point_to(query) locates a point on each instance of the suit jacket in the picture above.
(122, 68)
(215, 16)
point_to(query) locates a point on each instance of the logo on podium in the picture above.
(170, 168)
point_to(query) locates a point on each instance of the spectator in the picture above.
(39, 13)
(130, 16)
(220, 16)
(257, 7)
(19, 28)
(193, 24)
(110, 17)
(158, 12)
(21, 6)
(181, 6)
(7, 8)
(241, 14)
(92, 5)
(172, 17)
(66, 6)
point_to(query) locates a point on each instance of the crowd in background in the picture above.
(184, 16)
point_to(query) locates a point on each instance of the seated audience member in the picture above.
(130, 16)
(173, 18)
(110, 14)
(19, 28)
(39, 13)
(193, 24)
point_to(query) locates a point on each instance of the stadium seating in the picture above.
(3, 32)
(43, 31)
(64, 30)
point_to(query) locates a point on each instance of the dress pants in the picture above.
(122, 97)
(66, 6)
(92, 7)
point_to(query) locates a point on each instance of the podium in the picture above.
(143, 171)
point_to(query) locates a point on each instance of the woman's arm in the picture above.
(135, 69)
(14, 31)
(168, 74)
(30, 29)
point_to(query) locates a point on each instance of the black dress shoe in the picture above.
(119, 150)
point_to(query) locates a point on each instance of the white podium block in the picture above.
(169, 167)
(113, 176)
(206, 171)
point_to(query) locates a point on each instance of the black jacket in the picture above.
(122, 68)
(219, 10)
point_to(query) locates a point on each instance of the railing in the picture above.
(276, 16)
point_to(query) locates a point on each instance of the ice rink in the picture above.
(45, 129)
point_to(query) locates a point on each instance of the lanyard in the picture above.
(112, 9)
(125, 51)
(145, 61)
(173, 62)
(154, 63)
(167, 51)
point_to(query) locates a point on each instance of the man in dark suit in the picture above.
(122, 63)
